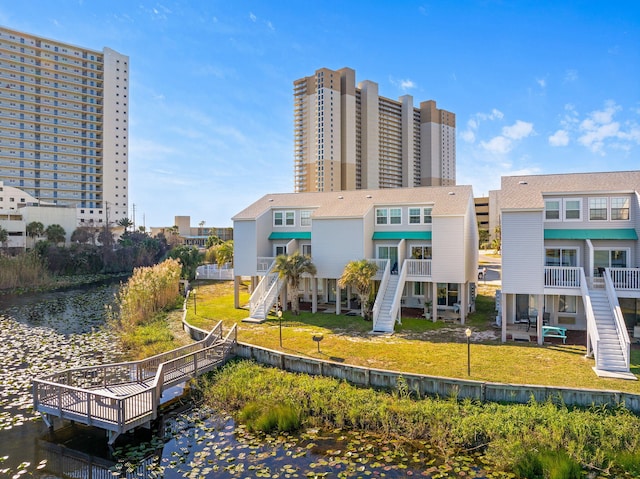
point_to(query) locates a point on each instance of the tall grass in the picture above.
(538, 436)
(23, 270)
(148, 291)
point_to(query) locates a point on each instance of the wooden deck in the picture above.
(119, 397)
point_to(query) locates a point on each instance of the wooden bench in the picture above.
(555, 332)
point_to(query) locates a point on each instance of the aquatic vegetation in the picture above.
(23, 269)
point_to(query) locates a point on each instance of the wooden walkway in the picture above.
(119, 397)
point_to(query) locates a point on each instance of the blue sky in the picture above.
(537, 86)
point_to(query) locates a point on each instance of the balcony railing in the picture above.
(625, 278)
(562, 276)
(418, 267)
(264, 263)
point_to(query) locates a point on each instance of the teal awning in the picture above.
(289, 235)
(399, 235)
(592, 234)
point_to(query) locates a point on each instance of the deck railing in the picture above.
(100, 395)
(377, 305)
(418, 267)
(562, 276)
(625, 278)
(618, 319)
(592, 327)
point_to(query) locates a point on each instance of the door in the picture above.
(390, 253)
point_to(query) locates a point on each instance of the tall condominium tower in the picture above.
(63, 124)
(347, 137)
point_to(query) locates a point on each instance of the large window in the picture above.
(603, 258)
(305, 218)
(561, 257)
(572, 209)
(598, 209)
(568, 209)
(552, 210)
(619, 209)
(382, 216)
(419, 215)
(427, 215)
(421, 252)
(395, 216)
(447, 294)
(567, 304)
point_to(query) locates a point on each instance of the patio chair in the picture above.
(546, 317)
(522, 318)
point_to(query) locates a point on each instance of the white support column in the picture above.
(539, 319)
(314, 295)
(338, 298)
(434, 304)
(236, 292)
(505, 307)
(464, 288)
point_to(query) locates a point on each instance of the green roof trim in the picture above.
(592, 234)
(399, 235)
(289, 235)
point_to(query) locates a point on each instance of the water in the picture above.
(41, 333)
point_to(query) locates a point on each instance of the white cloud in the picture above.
(559, 138)
(570, 75)
(473, 124)
(468, 135)
(252, 17)
(541, 82)
(407, 84)
(520, 129)
(600, 127)
(497, 144)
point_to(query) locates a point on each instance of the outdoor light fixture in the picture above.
(279, 314)
(468, 333)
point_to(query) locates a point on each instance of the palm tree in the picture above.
(55, 233)
(224, 253)
(125, 222)
(35, 229)
(291, 268)
(359, 274)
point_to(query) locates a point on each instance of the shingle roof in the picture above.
(526, 192)
(356, 203)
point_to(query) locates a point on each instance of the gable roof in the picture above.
(527, 192)
(355, 203)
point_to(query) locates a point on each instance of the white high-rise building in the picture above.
(63, 124)
(348, 137)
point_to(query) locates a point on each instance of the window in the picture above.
(290, 218)
(284, 218)
(597, 209)
(306, 250)
(305, 218)
(552, 210)
(572, 209)
(567, 304)
(414, 216)
(427, 215)
(395, 216)
(619, 209)
(421, 252)
(277, 218)
(381, 216)
(418, 288)
(561, 257)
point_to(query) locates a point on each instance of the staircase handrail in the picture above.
(397, 297)
(258, 295)
(592, 327)
(621, 327)
(272, 294)
(377, 305)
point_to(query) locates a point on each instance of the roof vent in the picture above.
(270, 199)
(522, 182)
(452, 192)
(369, 196)
(340, 197)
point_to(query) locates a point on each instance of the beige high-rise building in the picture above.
(64, 133)
(348, 137)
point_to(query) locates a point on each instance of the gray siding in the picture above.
(244, 245)
(522, 252)
(448, 264)
(471, 244)
(335, 243)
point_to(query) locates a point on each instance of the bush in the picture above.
(281, 418)
(547, 465)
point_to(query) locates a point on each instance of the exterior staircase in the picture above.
(384, 322)
(610, 355)
(265, 296)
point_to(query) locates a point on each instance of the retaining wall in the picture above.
(437, 386)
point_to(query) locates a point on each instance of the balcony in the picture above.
(562, 277)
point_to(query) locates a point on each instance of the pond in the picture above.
(41, 333)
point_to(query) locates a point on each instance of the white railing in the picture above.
(625, 278)
(563, 276)
(397, 297)
(418, 267)
(264, 286)
(381, 264)
(621, 327)
(213, 271)
(264, 264)
(377, 305)
(81, 394)
(592, 327)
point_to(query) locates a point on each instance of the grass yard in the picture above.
(418, 345)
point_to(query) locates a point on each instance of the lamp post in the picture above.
(195, 303)
(279, 313)
(468, 334)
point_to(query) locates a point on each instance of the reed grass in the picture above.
(23, 270)
(518, 438)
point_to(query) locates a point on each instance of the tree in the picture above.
(483, 238)
(224, 253)
(174, 233)
(55, 233)
(80, 235)
(189, 258)
(34, 230)
(497, 239)
(358, 275)
(213, 240)
(291, 268)
(4, 237)
(125, 222)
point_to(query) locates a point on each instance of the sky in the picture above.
(537, 87)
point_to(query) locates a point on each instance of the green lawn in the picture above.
(418, 345)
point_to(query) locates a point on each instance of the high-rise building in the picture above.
(348, 137)
(63, 124)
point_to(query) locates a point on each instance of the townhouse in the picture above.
(570, 260)
(423, 239)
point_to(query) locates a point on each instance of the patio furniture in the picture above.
(555, 332)
(522, 318)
